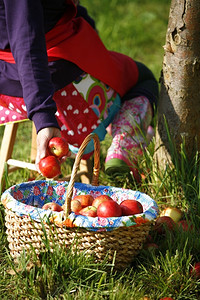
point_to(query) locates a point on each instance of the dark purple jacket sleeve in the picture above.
(25, 27)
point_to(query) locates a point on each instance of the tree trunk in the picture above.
(180, 81)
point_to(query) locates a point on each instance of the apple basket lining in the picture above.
(28, 224)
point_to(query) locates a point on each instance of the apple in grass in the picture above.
(109, 208)
(151, 246)
(58, 146)
(89, 211)
(172, 212)
(131, 207)
(52, 206)
(195, 270)
(85, 200)
(49, 166)
(100, 199)
(185, 225)
(149, 238)
(164, 223)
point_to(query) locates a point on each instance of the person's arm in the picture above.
(24, 20)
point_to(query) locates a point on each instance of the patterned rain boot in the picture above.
(129, 129)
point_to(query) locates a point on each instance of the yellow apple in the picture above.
(172, 212)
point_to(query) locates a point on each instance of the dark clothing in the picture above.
(62, 71)
(26, 21)
(23, 25)
(147, 86)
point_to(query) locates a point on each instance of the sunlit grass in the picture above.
(135, 28)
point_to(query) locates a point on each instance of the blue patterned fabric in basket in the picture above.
(26, 199)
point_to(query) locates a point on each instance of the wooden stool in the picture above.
(6, 151)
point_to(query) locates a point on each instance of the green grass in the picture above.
(136, 28)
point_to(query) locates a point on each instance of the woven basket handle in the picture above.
(95, 176)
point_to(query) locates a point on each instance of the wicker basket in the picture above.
(29, 227)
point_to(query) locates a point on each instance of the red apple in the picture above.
(149, 238)
(85, 200)
(195, 270)
(172, 212)
(166, 298)
(185, 225)
(163, 223)
(76, 205)
(58, 147)
(151, 246)
(109, 209)
(49, 166)
(100, 199)
(131, 207)
(52, 206)
(89, 211)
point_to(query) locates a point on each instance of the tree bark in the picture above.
(180, 81)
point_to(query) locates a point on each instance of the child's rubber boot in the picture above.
(118, 160)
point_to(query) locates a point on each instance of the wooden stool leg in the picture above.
(7, 145)
(86, 166)
(33, 144)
